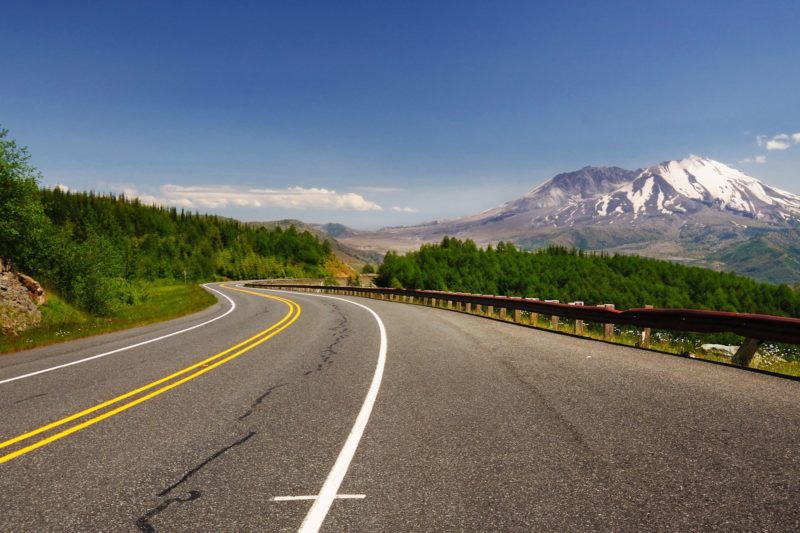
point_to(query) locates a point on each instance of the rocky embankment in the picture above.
(20, 296)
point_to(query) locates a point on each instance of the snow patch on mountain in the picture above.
(703, 182)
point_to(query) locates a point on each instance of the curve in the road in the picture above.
(204, 366)
(130, 346)
(322, 504)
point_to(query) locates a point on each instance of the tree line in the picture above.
(95, 250)
(568, 275)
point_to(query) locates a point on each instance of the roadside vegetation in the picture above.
(62, 321)
(106, 260)
(568, 275)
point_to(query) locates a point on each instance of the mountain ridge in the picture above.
(693, 210)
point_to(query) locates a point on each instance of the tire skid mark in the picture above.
(549, 407)
(31, 397)
(143, 522)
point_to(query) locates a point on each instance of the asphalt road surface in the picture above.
(293, 410)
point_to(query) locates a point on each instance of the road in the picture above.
(463, 424)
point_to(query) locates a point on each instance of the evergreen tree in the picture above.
(568, 275)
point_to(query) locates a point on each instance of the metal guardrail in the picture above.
(755, 328)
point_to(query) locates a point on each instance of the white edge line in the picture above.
(322, 504)
(338, 497)
(98, 356)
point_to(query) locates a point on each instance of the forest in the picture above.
(568, 275)
(97, 251)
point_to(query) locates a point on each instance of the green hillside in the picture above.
(570, 275)
(97, 251)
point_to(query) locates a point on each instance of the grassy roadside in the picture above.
(771, 357)
(62, 322)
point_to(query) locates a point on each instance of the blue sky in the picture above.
(389, 113)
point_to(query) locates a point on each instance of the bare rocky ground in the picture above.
(20, 296)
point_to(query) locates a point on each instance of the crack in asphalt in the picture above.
(143, 522)
(341, 332)
(258, 401)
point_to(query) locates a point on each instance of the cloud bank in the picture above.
(220, 196)
(781, 141)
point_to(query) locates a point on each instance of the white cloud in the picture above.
(61, 187)
(219, 196)
(777, 144)
(796, 138)
(780, 141)
(759, 159)
(367, 188)
(399, 209)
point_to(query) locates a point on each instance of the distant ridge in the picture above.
(347, 254)
(694, 210)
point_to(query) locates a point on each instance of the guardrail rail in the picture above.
(756, 329)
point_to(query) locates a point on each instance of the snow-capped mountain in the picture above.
(693, 209)
(559, 199)
(673, 191)
(695, 183)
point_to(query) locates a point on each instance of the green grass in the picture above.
(62, 322)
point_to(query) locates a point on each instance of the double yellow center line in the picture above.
(168, 382)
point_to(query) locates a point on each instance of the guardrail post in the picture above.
(502, 313)
(490, 310)
(468, 307)
(479, 309)
(553, 318)
(433, 302)
(644, 340)
(578, 323)
(608, 329)
(516, 315)
(744, 355)
(449, 304)
(534, 317)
